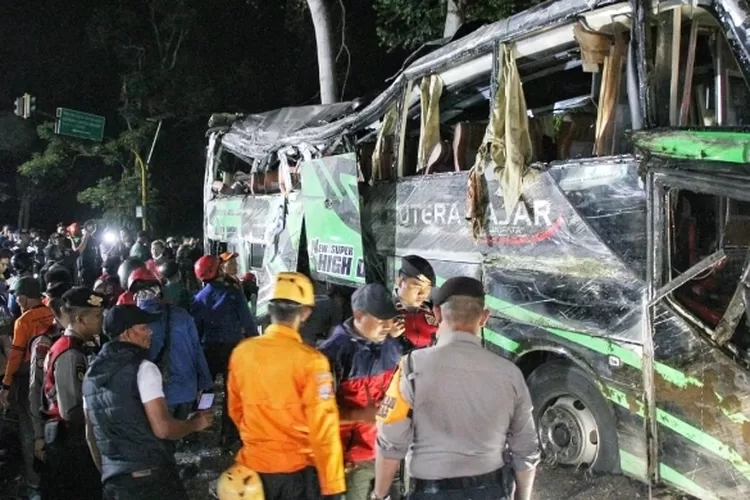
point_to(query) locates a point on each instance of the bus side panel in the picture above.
(702, 412)
(332, 219)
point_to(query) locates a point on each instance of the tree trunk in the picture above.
(321, 17)
(454, 17)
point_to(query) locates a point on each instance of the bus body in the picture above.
(617, 282)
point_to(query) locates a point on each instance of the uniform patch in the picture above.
(431, 319)
(325, 385)
(394, 407)
(80, 372)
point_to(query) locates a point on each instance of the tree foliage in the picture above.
(410, 23)
(159, 78)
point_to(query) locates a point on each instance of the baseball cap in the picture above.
(81, 296)
(120, 318)
(415, 266)
(227, 256)
(28, 287)
(376, 300)
(461, 285)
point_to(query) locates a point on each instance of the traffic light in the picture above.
(29, 105)
(19, 107)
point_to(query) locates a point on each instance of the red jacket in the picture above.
(420, 325)
(362, 370)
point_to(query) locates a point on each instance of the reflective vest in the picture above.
(63, 344)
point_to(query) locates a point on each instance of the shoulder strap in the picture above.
(410, 377)
(162, 359)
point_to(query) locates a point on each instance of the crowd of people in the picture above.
(107, 369)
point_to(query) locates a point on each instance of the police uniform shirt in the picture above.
(70, 367)
(39, 348)
(455, 407)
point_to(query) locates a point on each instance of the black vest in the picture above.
(121, 428)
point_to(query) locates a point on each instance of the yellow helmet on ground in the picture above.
(239, 483)
(294, 287)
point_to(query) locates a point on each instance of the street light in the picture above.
(145, 165)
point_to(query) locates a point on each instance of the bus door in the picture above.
(699, 326)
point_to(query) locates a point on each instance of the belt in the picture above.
(493, 478)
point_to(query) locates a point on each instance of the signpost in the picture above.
(79, 125)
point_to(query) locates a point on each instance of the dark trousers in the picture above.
(217, 357)
(179, 412)
(70, 470)
(484, 493)
(158, 484)
(300, 485)
(20, 401)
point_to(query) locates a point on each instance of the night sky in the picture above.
(250, 52)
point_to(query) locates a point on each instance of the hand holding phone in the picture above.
(206, 401)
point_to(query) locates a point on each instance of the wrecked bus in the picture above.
(588, 161)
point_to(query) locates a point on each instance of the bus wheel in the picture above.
(575, 424)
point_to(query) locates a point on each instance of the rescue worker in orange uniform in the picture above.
(281, 398)
(413, 287)
(36, 319)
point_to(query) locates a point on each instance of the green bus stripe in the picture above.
(669, 475)
(681, 427)
(602, 346)
(633, 466)
(630, 464)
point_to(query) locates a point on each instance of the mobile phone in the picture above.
(206, 401)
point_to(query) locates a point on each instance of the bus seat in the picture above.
(467, 139)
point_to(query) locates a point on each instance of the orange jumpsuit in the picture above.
(281, 398)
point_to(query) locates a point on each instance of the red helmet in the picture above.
(248, 277)
(207, 268)
(141, 277)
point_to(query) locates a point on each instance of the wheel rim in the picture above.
(568, 432)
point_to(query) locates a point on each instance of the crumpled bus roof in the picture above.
(258, 134)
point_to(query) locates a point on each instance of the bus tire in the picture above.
(575, 423)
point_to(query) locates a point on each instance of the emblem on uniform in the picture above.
(431, 319)
(95, 300)
(325, 391)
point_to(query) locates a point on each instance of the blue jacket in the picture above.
(188, 370)
(222, 315)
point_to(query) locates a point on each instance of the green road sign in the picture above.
(79, 125)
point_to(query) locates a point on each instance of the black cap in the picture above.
(28, 287)
(81, 296)
(376, 300)
(415, 266)
(121, 318)
(461, 285)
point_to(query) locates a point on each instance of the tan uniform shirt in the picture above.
(465, 403)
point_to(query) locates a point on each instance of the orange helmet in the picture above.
(207, 268)
(239, 483)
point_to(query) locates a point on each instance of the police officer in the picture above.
(413, 286)
(72, 471)
(457, 405)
